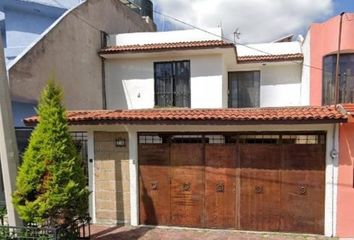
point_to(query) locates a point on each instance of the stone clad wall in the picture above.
(112, 196)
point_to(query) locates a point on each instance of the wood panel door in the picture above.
(259, 187)
(220, 186)
(302, 188)
(154, 184)
(187, 184)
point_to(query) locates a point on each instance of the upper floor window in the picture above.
(244, 88)
(172, 84)
(346, 79)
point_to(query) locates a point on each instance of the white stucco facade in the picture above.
(130, 76)
(130, 82)
(305, 79)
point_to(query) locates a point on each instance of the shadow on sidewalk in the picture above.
(121, 233)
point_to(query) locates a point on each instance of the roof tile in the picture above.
(203, 116)
(167, 46)
(270, 58)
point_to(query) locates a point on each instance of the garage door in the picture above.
(246, 181)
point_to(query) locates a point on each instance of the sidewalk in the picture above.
(172, 233)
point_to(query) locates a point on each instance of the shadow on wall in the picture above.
(346, 144)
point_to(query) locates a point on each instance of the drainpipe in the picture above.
(103, 73)
(337, 78)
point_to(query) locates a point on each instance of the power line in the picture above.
(78, 16)
(224, 38)
(195, 27)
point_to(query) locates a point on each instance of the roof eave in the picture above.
(200, 122)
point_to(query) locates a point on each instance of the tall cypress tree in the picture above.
(51, 186)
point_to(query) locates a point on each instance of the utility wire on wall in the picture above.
(224, 38)
(201, 29)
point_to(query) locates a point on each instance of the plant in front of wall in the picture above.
(51, 186)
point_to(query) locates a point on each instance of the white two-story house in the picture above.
(200, 132)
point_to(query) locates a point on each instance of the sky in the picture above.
(256, 20)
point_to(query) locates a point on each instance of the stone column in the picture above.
(112, 184)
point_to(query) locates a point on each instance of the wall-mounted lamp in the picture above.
(120, 142)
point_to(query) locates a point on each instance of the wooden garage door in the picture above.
(260, 186)
(220, 185)
(269, 182)
(302, 188)
(154, 184)
(187, 184)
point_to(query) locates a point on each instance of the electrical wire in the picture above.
(197, 28)
(224, 38)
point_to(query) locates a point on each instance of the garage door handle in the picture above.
(186, 187)
(154, 186)
(258, 189)
(302, 190)
(220, 187)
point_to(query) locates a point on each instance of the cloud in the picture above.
(257, 20)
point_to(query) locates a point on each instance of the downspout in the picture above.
(336, 80)
(103, 74)
(334, 151)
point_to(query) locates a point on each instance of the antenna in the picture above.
(237, 34)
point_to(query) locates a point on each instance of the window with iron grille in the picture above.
(346, 79)
(172, 84)
(244, 88)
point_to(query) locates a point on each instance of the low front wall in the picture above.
(345, 212)
(111, 169)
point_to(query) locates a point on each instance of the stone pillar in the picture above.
(112, 195)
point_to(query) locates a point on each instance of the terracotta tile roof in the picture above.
(167, 46)
(270, 58)
(349, 107)
(205, 116)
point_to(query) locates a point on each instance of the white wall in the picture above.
(305, 82)
(269, 48)
(280, 83)
(130, 82)
(164, 37)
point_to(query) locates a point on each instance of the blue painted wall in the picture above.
(23, 21)
(21, 24)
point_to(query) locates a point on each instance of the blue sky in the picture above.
(343, 6)
(257, 20)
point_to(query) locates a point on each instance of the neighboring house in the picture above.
(63, 45)
(21, 24)
(23, 21)
(200, 133)
(320, 49)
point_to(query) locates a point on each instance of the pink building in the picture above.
(320, 49)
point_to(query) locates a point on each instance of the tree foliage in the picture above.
(50, 185)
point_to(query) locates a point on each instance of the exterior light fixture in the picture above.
(120, 142)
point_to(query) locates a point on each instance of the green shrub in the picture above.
(51, 186)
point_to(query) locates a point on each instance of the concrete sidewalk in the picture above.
(172, 233)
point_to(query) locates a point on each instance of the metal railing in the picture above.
(78, 229)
